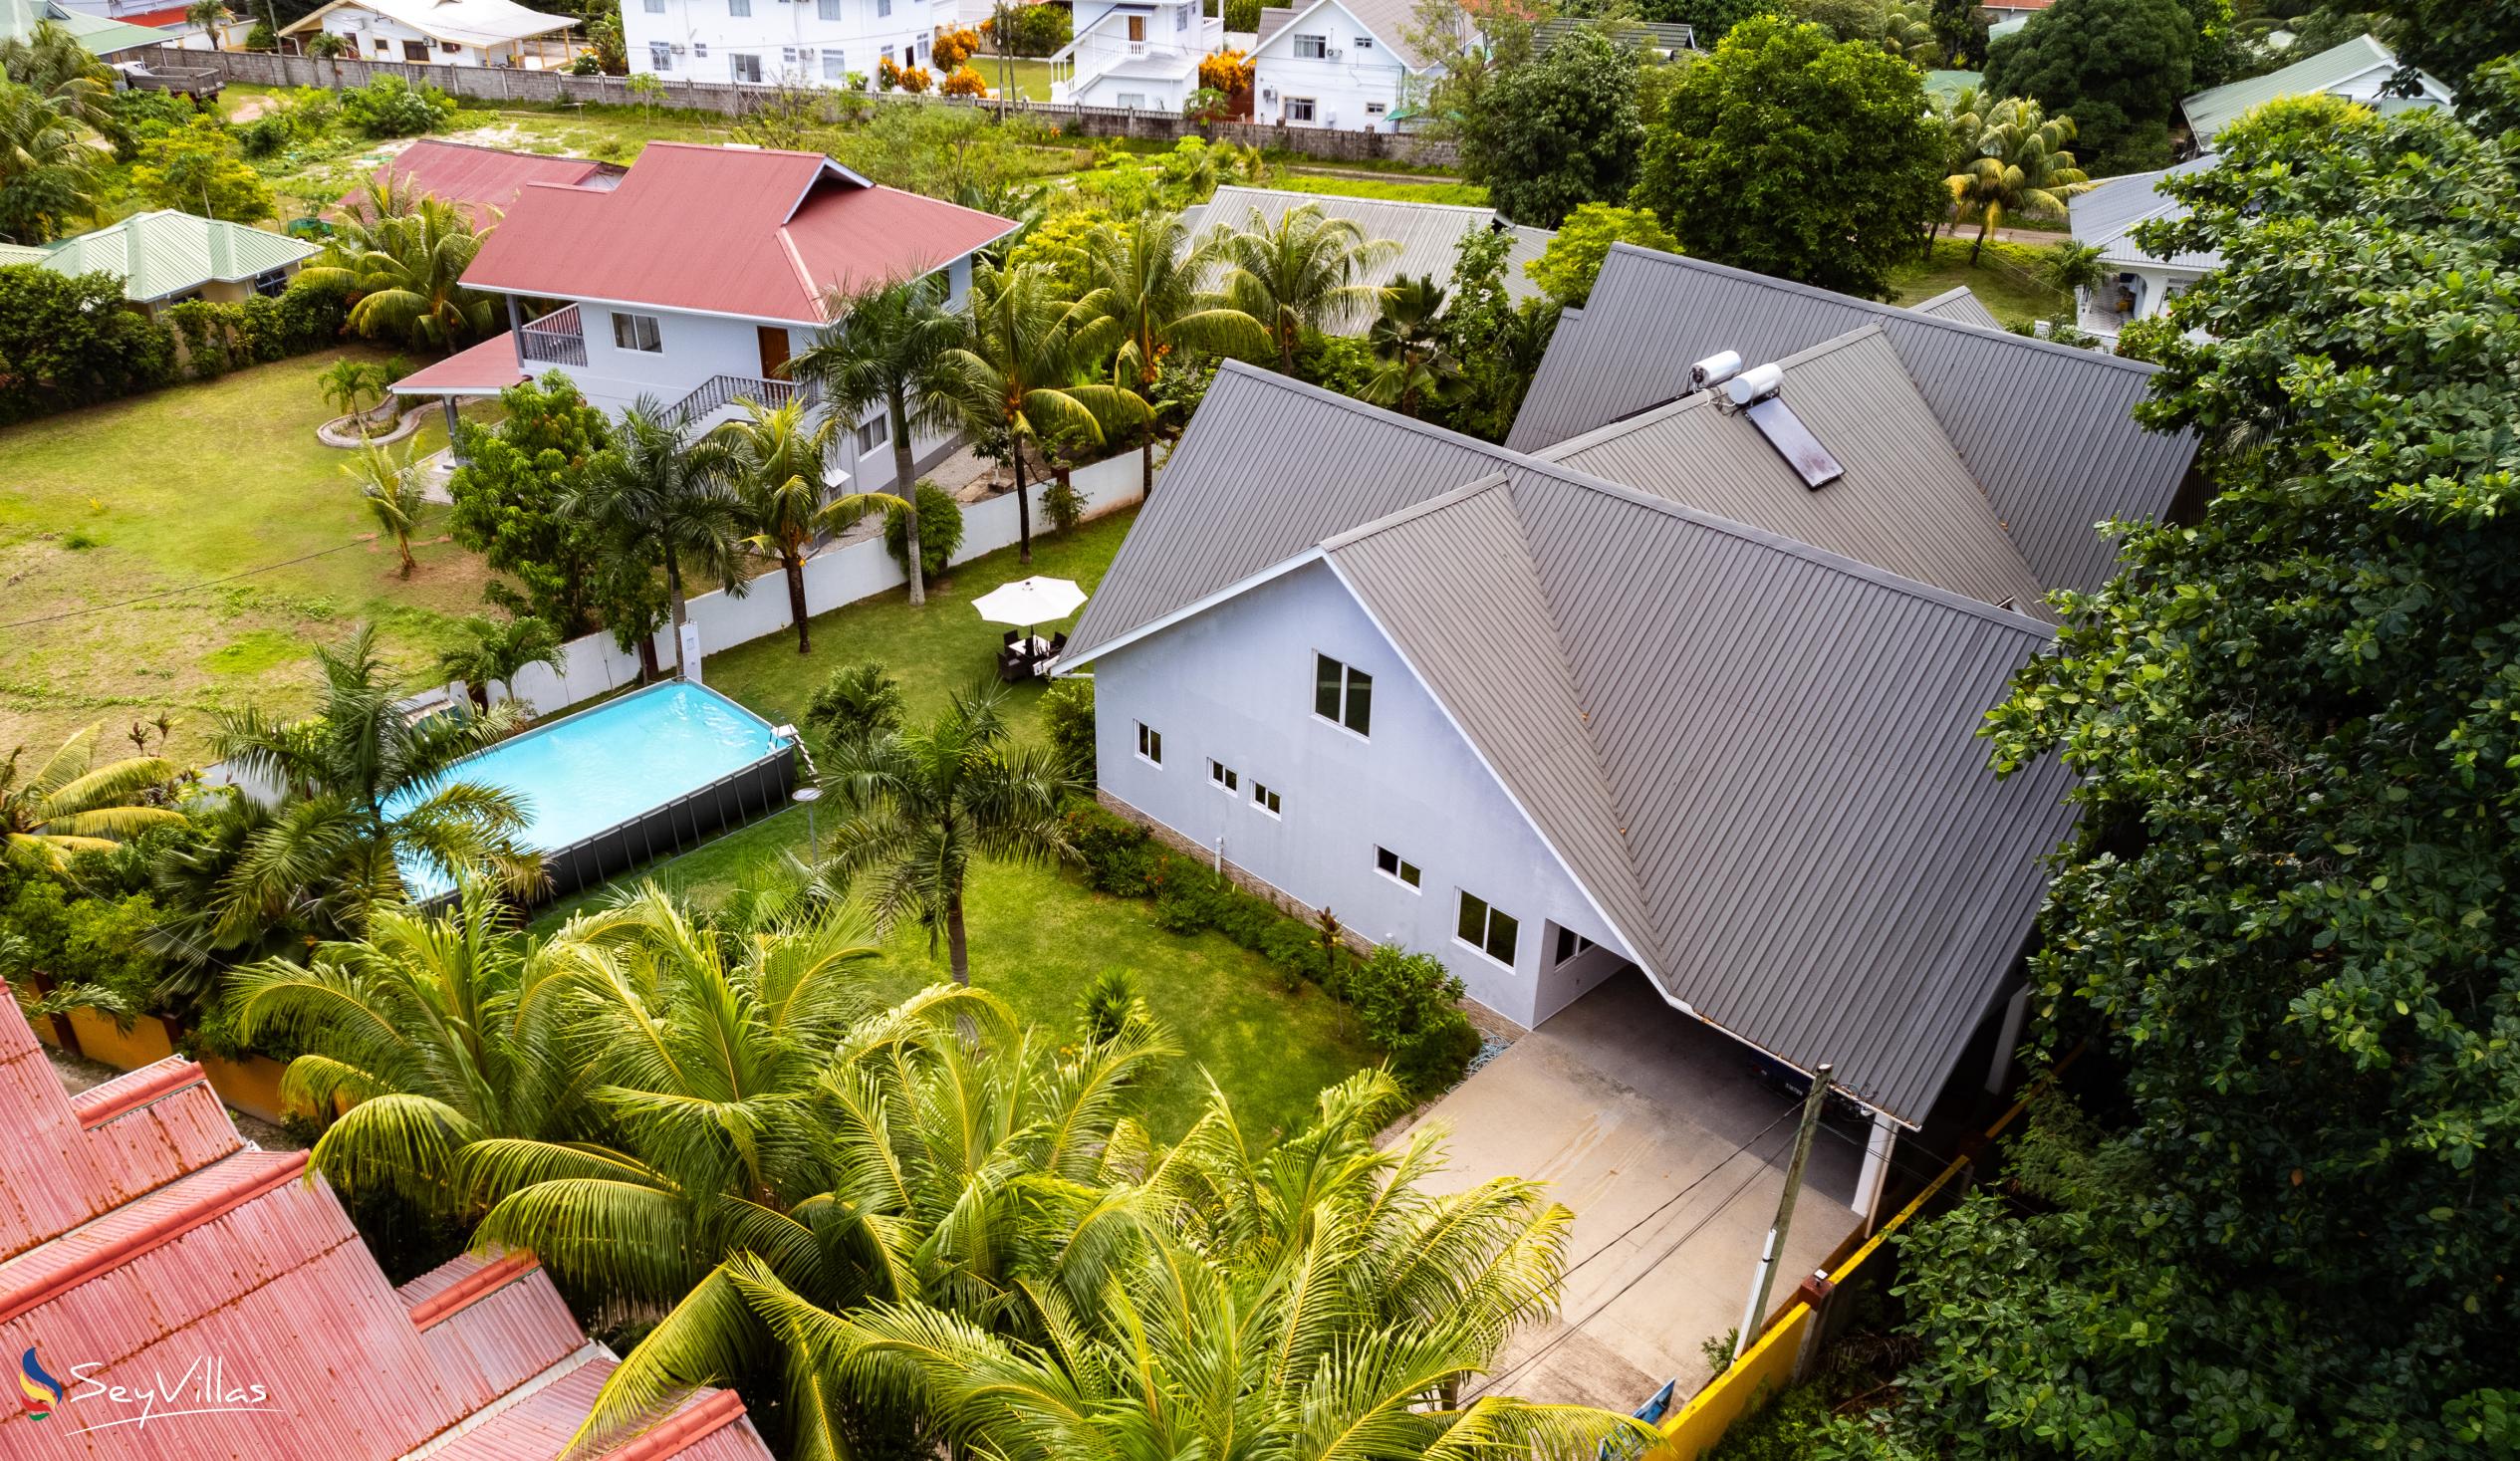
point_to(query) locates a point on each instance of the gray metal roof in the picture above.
(1429, 235)
(1906, 502)
(1650, 35)
(1956, 303)
(1273, 18)
(2106, 217)
(2047, 429)
(2209, 112)
(1760, 758)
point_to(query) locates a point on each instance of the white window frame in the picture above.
(874, 434)
(1349, 674)
(1266, 802)
(740, 9)
(1363, 43)
(1131, 100)
(1488, 915)
(1224, 778)
(1402, 871)
(1319, 47)
(1150, 745)
(826, 9)
(1373, 108)
(639, 334)
(735, 63)
(1312, 109)
(835, 65)
(659, 56)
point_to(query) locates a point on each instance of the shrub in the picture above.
(1066, 714)
(1241, 15)
(1118, 857)
(68, 342)
(939, 529)
(390, 106)
(1062, 504)
(1112, 1007)
(859, 702)
(953, 47)
(265, 135)
(1407, 1005)
(962, 81)
(1336, 363)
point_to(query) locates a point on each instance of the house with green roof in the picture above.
(165, 258)
(2361, 70)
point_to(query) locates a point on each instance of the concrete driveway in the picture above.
(1671, 1153)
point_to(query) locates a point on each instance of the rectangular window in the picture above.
(1392, 865)
(1486, 930)
(874, 434)
(655, 7)
(1223, 776)
(271, 283)
(1149, 742)
(747, 67)
(826, 9)
(1311, 48)
(739, 7)
(884, 7)
(1299, 109)
(1372, 109)
(1181, 17)
(1133, 100)
(835, 66)
(636, 332)
(381, 47)
(449, 47)
(416, 51)
(1364, 43)
(1572, 943)
(1343, 694)
(1265, 799)
(659, 56)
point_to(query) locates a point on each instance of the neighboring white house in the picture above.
(1137, 55)
(1347, 64)
(2360, 70)
(442, 31)
(773, 42)
(695, 278)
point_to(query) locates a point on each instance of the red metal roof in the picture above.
(757, 234)
(481, 179)
(480, 370)
(172, 15)
(145, 1248)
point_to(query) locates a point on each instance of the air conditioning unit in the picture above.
(1268, 94)
(804, 53)
(678, 50)
(1333, 53)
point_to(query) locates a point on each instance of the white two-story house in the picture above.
(1348, 63)
(817, 43)
(693, 279)
(1129, 53)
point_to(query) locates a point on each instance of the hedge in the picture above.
(69, 342)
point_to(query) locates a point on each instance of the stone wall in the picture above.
(495, 84)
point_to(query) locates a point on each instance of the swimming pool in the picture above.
(630, 779)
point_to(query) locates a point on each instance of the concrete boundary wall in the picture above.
(497, 84)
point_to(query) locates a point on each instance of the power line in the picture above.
(1666, 1203)
(46, 618)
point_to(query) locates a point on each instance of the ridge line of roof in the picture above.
(1429, 507)
(1288, 192)
(1634, 422)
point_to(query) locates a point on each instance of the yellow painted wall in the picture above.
(145, 1044)
(1739, 1390)
(251, 1084)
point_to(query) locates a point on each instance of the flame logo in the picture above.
(41, 1393)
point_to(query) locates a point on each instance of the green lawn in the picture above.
(1031, 77)
(169, 490)
(1037, 934)
(2005, 280)
(1401, 190)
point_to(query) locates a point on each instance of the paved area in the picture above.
(1670, 1150)
(77, 1073)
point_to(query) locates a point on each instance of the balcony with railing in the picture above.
(557, 339)
(721, 391)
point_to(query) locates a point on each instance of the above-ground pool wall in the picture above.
(757, 789)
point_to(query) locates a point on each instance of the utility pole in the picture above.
(1810, 1127)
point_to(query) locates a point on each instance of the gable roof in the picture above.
(1429, 235)
(1391, 22)
(2107, 216)
(1758, 757)
(164, 253)
(476, 23)
(97, 35)
(1957, 303)
(724, 230)
(2210, 111)
(479, 179)
(2050, 473)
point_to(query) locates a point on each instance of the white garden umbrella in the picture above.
(1029, 602)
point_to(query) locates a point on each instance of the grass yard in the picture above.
(2005, 280)
(163, 492)
(1037, 934)
(1031, 77)
(1397, 190)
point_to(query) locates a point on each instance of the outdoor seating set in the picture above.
(1024, 658)
(1022, 654)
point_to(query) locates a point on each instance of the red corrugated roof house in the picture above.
(168, 1292)
(483, 182)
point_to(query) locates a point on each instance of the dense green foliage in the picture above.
(856, 702)
(2287, 922)
(1713, 19)
(939, 531)
(68, 342)
(1496, 340)
(2118, 66)
(1554, 130)
(1788, 154)
(390, 106)
(1067, 723)
(1565, 271)
(200, 169)
(1034, 30)
(2452, 38)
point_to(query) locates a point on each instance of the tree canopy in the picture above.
(1556, 131)
(1793, 154)
(2118, 66)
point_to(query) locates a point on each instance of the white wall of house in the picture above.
(2148, 288)
(802, 42)
(1135, 55)
(1234, 685)
(374, 37)
(1356, 73)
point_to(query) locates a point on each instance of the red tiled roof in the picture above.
(736, 231)
(478, 369)
(479, 179)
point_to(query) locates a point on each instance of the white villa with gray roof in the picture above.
(1678, 685)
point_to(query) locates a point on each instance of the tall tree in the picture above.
(1016, 379)
(2286, 1228)
(1147, 304)
(656, 497)
(49, 175)
(1788, 154)
(2118, 66)
(2451, 39)
(406, 269)
(1301, 273)
(67, 804)
(362, 786)
(778, 463)
(1557, 130)
(2021, 163)
(1566, 269)
(887, 346)
(1416, 368)
(922, 805)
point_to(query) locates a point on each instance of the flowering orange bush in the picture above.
(951, 49)
(964, 82)
(914, 78)
(1227, 71)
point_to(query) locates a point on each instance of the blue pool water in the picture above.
(600, 768)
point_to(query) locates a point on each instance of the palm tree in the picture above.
(211, 17)
(68, 804)
(654, 491)
(1300, 273)
(2021, 163)
(50, 61)
(777, 463)
(362, 787)
(406, 267)
(345, 383)
(49, 175)
(494, 653)
(1147, 304)
(1416, 370)
(887, 346)
(922, 803)
(436, 1030)
(2070, 268)
(1014, 379)
(391, 491)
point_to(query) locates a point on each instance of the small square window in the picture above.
(1299, 109)
(826, 9)
(873, 435)
(1266, 800)
(1393, 865)
(747, 67)
(1364, 43)
(659, 56)
(1224, 775)
(1372, 109)
(636, 332)
(739, 7)
(1150, 743)
(1487, 929)
(835, 66)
